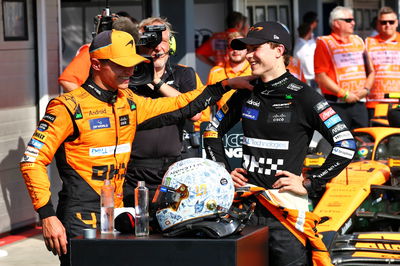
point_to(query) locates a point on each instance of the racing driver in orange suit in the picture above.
(90, 130)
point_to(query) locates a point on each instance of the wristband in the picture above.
(346, 95)
(158, 85)
(341, 93)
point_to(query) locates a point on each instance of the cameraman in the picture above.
(153, 151)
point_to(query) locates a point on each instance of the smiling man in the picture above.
(90, 131)
(340, 65)
(278, 117)
(384, 51)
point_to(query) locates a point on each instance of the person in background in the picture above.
(235, 65)
(213, 51)
(373, 25)
(154, 150)
(303, 51)
(384, 52)
(127, 15)
(311, 18)
(77, 71)
(278, 118)
(340, 66)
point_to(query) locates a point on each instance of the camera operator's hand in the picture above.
(241, 82)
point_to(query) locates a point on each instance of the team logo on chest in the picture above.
(100, 123)
(124, 120)
(250, 113)
(282, 118)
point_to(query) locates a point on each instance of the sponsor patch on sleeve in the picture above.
(322, 105)
(343, 152)
(225, 108)
(338, 128)
(31, 151)
(49, 117)
(39, 136)
(214, 122)
(332, 121)
(210, 134)
(35, 143)
(350, 144)
(43, 126)
(219, 115)
(99, 123)
(28, 159)
(342, 136)
(250, 113)
(327, 113)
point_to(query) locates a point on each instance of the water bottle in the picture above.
(141, 209)
(107, 208)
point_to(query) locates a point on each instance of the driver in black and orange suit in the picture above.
(90, 131)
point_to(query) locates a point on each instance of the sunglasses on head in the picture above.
(348, 20)
(384, 22)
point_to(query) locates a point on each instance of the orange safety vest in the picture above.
(348, 62)
(385, 57)
(301, 224)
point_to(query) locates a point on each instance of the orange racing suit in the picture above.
(89, 131)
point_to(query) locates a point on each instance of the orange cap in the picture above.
(117, 46)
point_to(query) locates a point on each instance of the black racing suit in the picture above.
(279, 118)
(154, 150)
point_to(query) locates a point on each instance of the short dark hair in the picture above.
(125, 24)
(304, 29)
(126, 14)
(310, 17)
(235, 18)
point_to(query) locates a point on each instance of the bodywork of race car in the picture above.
(362, 204)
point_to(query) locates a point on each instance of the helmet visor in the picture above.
(167, 197)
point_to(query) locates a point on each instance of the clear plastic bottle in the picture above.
(107, 208)
(141, 209)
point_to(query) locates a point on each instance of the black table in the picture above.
(247, 248)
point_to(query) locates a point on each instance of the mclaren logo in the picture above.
(256, 28)
(130, 42)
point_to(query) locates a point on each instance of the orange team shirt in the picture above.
(78, 70)
(385, 57)
(342, 62)
(217, 74)
(215, 47)
(295, 69)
